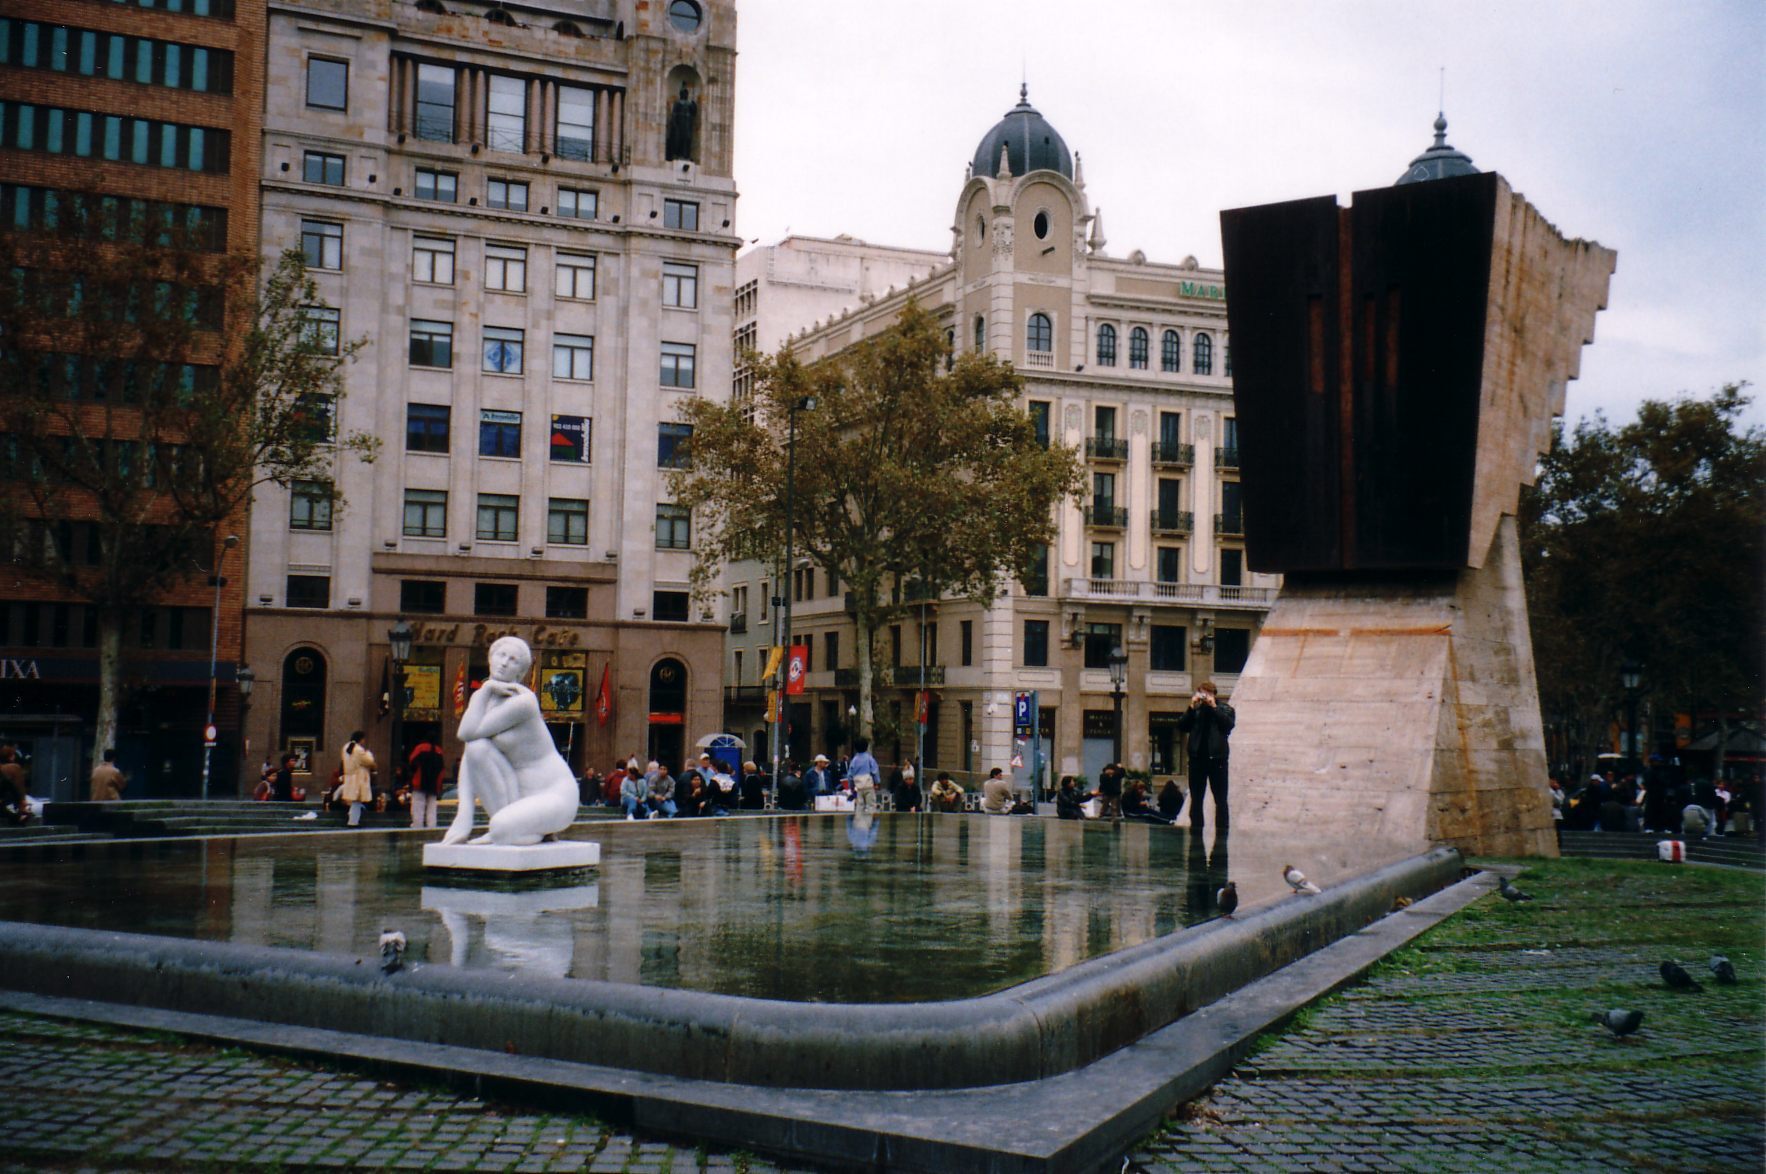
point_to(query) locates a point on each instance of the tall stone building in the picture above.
(120, 118)
(526, 210)
(1126, 359)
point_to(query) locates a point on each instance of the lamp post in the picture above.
(214, 641)
(398, 639)
(1118, 678)
(1631, 676)
(806, 404)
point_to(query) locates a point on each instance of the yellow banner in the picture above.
(774, 656)
(772, 705)
(423, 686)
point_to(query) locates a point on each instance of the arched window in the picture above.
(668, 687)
(1137, 349)
(1226, 357)
(1106, 345)
(303, 695)
(1202, 355)
(980, 332)
(1040, 334)
(1170, 352)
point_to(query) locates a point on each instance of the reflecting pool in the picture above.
(897, 908)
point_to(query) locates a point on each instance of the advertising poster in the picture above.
(570, 439)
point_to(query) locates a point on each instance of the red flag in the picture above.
(794, 669)
(460, 690)
(604, 696)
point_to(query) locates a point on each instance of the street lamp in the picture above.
(1631, 676)
(398, 639)
(214, 641)
(805, 404)
(1118, 678)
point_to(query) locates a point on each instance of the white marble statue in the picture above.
(510, 764)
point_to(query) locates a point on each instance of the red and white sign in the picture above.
(210, 734)
(794, 669)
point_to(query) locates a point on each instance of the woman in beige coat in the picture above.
(358, 777)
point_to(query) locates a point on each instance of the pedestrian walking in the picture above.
(1208, 722)
(427, 765)
(863, 773)
(358, 777)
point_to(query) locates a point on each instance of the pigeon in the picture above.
(1297, 880)
(1618, 1021)
(1723, 970)
(1676, 977)
(1227, 899)
(1509, 892)
(392, 950)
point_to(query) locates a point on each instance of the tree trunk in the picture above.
(110, 656)
(865, 623)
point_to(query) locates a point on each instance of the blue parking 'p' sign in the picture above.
(1021, 711)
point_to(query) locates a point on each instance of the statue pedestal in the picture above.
(512, 860)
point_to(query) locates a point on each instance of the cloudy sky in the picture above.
(1636, 124)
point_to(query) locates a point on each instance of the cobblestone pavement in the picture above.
(1474, 1048)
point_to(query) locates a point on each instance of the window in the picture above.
(680, 285)
(1231, 647)
(567, 521)
(442, 186)
(432, 343)
(1226, 354)
(1170, 352)
(1232, 508)
(1166, 649)
(831, 651)
(1106, 345)
(39, 45)
(309, 506)
(677, 364)
(674, 527)
(494, 599)
(506, 194)
(56, 130)
(505, 268)
(1103, 491)
(1202, 355)
(669, 607)
(506, 121)
(309, 591)
(432, 260)
(685, 15)
(1104, 423)
(1103, 560)
(1099, 640)
(321, 244)
(1232, 568)
(328, 84)
(1039, 335)
(497, 516)
(1137, 349)
(672, 444)
(1170, 430)
(1170, 497)
(426, 513)
(1040, 226)
(1039, 421)
(578, 204)
(319, 167)
(966, 642)
(423, 596)
(426, 427)
(502, 350)
(319, 329)
(1169, 568)
(570, 439)
(575, 276)
(313, 417)
(1036, 574)
(681, 214)
(1036, 644)
(435, 108)
(576, 124)
(567, 603)
(980, 332)
(573, 356)
(499, 433)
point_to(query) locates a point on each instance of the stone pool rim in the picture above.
(1039, 1028)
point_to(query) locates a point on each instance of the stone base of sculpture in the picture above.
(1399, 709)
(503, 858)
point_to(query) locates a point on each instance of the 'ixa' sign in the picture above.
(538, 636)
(19, 670)
(1199, 289)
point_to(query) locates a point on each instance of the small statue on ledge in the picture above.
(510, 764)
(683, 116)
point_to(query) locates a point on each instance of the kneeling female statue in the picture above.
(510, 764)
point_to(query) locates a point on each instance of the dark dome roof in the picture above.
(1440, 161)
(1031, 143)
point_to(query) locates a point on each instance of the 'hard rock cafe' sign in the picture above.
(483, 635)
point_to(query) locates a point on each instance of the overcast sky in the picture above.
(1636, 124)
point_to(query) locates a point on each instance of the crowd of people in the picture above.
(1660, 799)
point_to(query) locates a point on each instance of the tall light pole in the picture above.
(398, 640)
(920, 697)
(806, 404)
(1118, 678)
(1631, 676)
(214, 641)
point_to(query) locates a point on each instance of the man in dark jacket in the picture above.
(1208, 722)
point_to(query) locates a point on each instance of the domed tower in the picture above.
(1440, 161)
(1023, 211)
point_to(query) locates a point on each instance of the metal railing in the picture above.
(1173, 454)
(1226, 458)
(1229, 523)
(1173, 521)
(1106, 448)
(745, 694)
(1106, 514)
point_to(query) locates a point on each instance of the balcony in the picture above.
(846, 678)
(907, 676)
(741, 695)
(1106, 514)
(1106, 448)
(1174, 454)
(1229, 524)
(1189, 594)
(1226, 457)
(1173, 522)
(1039, 359)
(738, 623)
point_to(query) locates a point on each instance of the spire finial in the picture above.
(1024, 91)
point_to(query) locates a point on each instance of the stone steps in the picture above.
(1735, 851)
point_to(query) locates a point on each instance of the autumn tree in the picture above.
(1647, 542)
(917, 476)
(148, 383)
